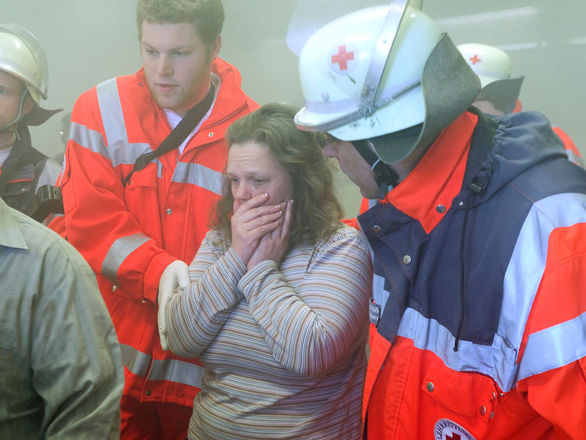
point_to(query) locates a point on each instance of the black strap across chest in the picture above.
(177, 135)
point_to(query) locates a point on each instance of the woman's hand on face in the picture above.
(251, 221)
(273, 245)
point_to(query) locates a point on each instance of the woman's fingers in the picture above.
(286, 227)
(251, 216)
(253, 202)
(264, 226)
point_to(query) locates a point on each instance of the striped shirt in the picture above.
(283, 347)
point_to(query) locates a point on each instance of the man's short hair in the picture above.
(206, 15)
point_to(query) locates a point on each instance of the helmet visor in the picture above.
(310, 15)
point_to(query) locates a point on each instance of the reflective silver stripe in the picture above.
(136, 361)
(159, 168)
(379, 294)
(49, 174)
(374, 312)
(119, 151)
(111, 110)
(118, 252)
(197, 174)
(529, 256)
(496, 361)
(178, 371)
(90, 139)
(573, 157)
(172, 370)
(554, 347)
(522, 279)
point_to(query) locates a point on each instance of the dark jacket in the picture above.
(23, 173)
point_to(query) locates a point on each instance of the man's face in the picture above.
(353, 165)
(176, 64)
(11, 90)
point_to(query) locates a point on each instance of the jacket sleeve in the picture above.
(76, 363)
(308, 329)
(97, 221)
(553, 363)
(195, 317)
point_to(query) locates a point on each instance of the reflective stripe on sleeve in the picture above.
(119, 150)
(573, 157)
(199, 175)
(90, 139)
(527, 263)
(554, 347)
(172, 370)
(566, 341)
(178, 371)
(136, 361)
(118, 252)
(49, 174)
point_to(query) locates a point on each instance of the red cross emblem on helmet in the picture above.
(343, 59)
(475, 59)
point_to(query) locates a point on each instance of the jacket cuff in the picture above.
(153, 274)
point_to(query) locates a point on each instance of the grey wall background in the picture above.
(89, 41)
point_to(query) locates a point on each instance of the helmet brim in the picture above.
(38, 115)
(502, 93)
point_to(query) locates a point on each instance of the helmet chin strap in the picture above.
(384, 175)
(12, 127)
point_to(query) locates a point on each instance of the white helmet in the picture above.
(22, 56)
(494, 68)
(336, 66)
(363, 76)
(488, 62)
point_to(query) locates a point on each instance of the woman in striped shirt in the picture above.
(277, 307)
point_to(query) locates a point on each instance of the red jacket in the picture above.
(129, 235)
(509, 219)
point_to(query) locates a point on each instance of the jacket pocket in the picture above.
(142, 200)
(460, 394)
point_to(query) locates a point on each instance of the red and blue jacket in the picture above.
(479, 307)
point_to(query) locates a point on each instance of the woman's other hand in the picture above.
(251, 221)
(273, 245)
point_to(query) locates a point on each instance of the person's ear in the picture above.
(215, 47)
(28, 105)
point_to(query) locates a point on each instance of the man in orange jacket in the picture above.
(478, 311)
(138, 217)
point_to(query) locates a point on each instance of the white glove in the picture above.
(174, 279)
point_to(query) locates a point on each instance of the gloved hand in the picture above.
(174, 279)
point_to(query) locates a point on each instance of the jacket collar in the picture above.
(428, 190)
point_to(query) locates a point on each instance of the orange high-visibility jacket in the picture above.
(129, 235)
(479, 293)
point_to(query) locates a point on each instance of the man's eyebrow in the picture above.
(184, 47)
